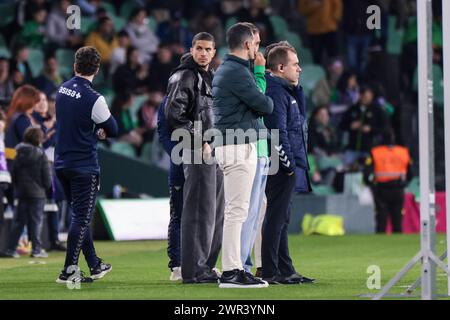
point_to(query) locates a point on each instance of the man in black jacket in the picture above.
(32, 178)
(188, 111)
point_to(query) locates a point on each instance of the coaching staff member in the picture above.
(83, 117)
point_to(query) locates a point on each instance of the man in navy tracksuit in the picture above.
(176, 183)
(288, 117)
(83, 117)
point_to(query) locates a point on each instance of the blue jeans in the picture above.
(250, 226)
(357, 51)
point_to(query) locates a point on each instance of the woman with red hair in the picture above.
(19, 118)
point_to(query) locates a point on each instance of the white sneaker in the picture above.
(175, 275)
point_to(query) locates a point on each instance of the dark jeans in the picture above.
(388, 203)
(81, 188)
(202, 219)
(357, 51)
(174, 240)
(29, 212)
(53, 227)
(274, 247)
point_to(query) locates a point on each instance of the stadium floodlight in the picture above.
(427, 253)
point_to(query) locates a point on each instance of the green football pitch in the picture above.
(339, 264)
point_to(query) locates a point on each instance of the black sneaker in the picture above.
(296, 278)
(240, 279)
(57, 246)
(100, 270)
(65, 278)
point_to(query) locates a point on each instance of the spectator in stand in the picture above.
(161, 68)
(34, 31)
(322, 19)
(132, 76)
(31, 177)
(207, 20)
(6, 83)
(103, 39)
(119, 54)
(128, 128)
(256, 14)
(50, 79)
(348, 89)
(57, 32)
(19, 66)
(141, 36)
(173, 32)
(5, 176)
(358, 36)
(364, 122)
(325, 91)
(323, 144)
(89, 7)
(148, 116)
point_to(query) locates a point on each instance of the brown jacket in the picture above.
(322, 16)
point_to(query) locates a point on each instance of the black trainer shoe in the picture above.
(65, 278)
(273, 280)
(100, 270)
(239, 279)
(296, 278)
(57, 246)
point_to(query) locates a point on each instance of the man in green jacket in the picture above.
(238, 104)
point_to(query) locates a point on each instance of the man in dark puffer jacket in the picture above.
(189, 101)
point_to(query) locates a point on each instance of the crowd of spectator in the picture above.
(368, 82)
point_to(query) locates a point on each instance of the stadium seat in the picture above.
(294, 39)
(395, 37)
(2, 41)
(7, 13)
(86, 24)
(36, 61)
(4, 52)
(279, 25)
(305, 57)
(311, 74)
(126, 9)
(230, 22)
(152, 24)
(119, 23)
(137, 103)
(124, 148)
(146, 152)
(108, 7)
(65, 58)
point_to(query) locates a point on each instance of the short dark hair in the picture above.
(203, 36)
(33, 136)
(278, 55)
(87, 61)
(276, 44)
(238, 34)
(252, 27)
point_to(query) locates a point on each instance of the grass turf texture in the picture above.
(140, 271)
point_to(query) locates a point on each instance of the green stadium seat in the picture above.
(119, 23)
(2, 41)
(124, 148)
(36, 61)
(109, 7)
(65, 58)
(152, 24)
(395, 37)
(7, 13)
(279, 25)
(294, 39)
(305, 57)
(230, 22)
(4, 52)
(127, 8)
(137, 103)
(311, 74)
(87, 25)
(147, 152)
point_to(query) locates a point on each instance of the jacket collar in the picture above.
(283, 82)
(83, 80)
(230, 57)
